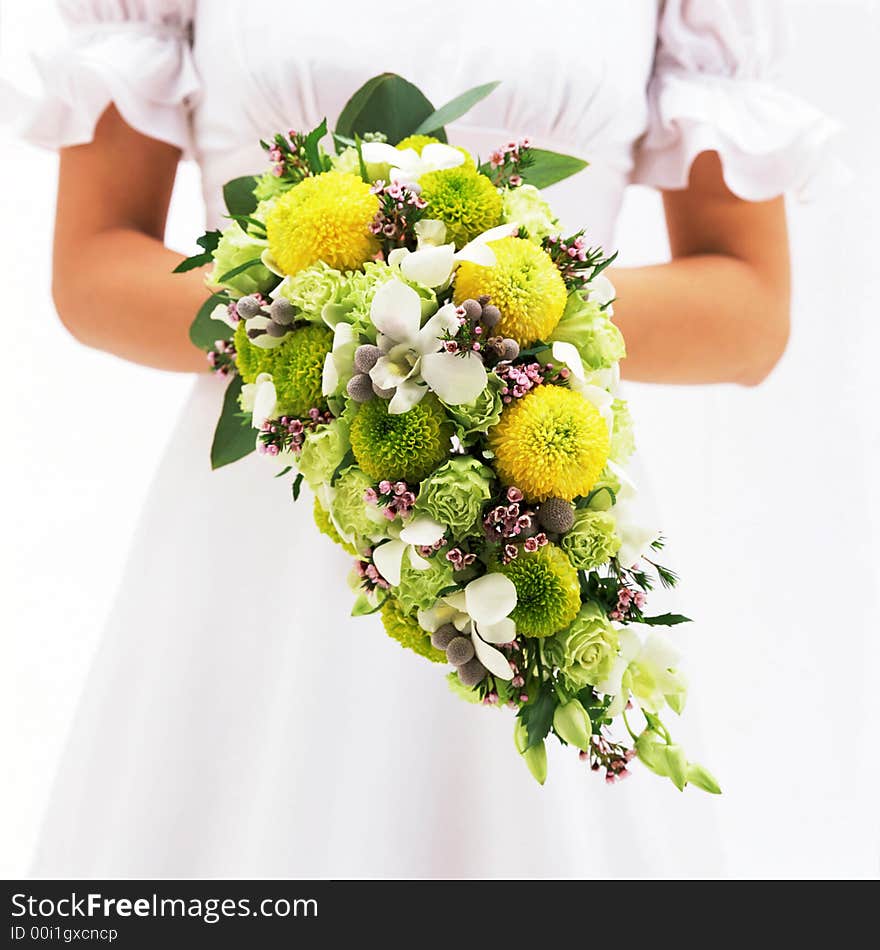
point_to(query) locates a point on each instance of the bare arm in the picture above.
(719, 311)
(112, 279)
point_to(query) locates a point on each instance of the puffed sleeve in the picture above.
(712, 90)
(136, 54)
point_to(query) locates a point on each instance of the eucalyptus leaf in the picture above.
(665, 620)
(547, 168)
(234, 438)
(204, 332)
(455, 108)
(239, 195)
(387, 103)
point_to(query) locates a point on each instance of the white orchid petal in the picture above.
(567, 353)
(396, 311)
(436, 616)
(430, 232)
(221, 313)
(388, 558)
(381, 153)
(437, 156)
(430, 266)
(502, 632)
(271, 264)
(388, 373)
(475, 253)
(422, 530)
(431, 336)
(494, 660)
(457, 380)
(265, 400)
(601, 290)
(407, 394)
(490, 598)
(397, 256)
(343, 334)
(458, 601)
(417, 561)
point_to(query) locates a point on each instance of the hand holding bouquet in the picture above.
(408, 331)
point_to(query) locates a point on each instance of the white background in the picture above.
(769, 495)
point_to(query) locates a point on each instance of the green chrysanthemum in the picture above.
(326, 527)
(464, 200)
(548, 593)
(408, 446)
(405, 629)
(524, 284)
(296, 366)
(416, 142)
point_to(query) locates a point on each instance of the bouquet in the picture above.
(407, 330)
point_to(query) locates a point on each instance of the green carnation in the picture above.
(592, 540)
(403, 627)
(591, 330)
(586, 650)
(270, 186)
(623, 442)
(548, 593)
(235, 248)
(323, 451)
(477, 418)
(455, 494)
(325, 525)
(295, 365)
(407, 446)
(356, 519)
(311, 289)
(421, 589)
(526, 207)
(467, 693)
(464, 200)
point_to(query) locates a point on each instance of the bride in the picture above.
(237, 723)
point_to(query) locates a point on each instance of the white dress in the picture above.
(237, 722)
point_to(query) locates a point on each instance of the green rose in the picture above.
(622, 439)
(590, 329)
(421, 589)
(585, 651)
(323, 452)
(311, 289)
(525, 206)
(602, 498)
(270, 186)
(455, 494)
(355, 518)
(477, 418)
(235, 248)
(592, 540)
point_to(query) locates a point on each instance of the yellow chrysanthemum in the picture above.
(525, 285)
(550, 443)
(324, 218)
(464, 200)
(416, 142)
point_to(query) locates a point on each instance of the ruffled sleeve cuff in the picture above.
(769, 142)
(145, 69)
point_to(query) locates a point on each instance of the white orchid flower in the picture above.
(407, 165)
(600, 290)
(259, 399)
(645, 672)
(589, 387)
(480, 611)
(432, 264)
(340, 358)
(413, 357)
(421, 531)
(634, 524)
(221, 313)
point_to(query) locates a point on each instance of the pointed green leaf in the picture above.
(313, 153)
(547, 168)
(234, 437)
(702, 778)
(239, 195)
(208, 242)
(247, 265)
(455, 108)
(296, 487)
(204, 332)
(386, 103)
(665, 620)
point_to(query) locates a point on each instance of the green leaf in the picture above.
(363, 608)
(547, 168)
(246, 219)
(313, 153)
(239, 270)
(455, 108)
(239, 195)
(702, 778)
(233, 438)
(284, 471)
(665, 620)
(208, 242)
(203, 331)
(386, 103)
(537, 717)
(296, 487)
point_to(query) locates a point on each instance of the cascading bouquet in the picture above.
(408, 331)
